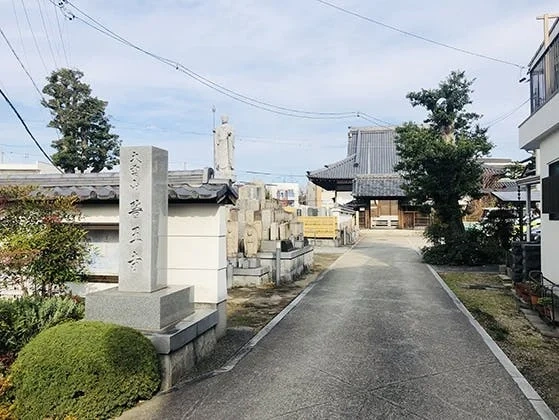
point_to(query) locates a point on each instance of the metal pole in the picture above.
(528, 212)
(278, 263)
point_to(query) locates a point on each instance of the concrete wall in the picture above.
(549, 153)
(293, 263)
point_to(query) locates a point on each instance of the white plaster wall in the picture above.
(549, 152)
(197, 253)
(100, 212)
(105, 247)
(539, 125)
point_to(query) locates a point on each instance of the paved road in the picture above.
(376, 338)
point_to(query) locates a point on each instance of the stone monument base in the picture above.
(153, 311)
(184, 345)
(251, 276)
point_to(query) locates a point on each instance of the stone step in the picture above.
(185, 331)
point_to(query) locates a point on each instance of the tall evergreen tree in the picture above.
(439, 160)
(86, 142)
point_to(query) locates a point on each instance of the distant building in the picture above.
(367, 174)
(27, 168)
(286, 193)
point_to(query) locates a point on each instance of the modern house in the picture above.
(540, 133)
(367, 173)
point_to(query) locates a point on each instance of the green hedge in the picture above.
(23, 318)
(86, 369)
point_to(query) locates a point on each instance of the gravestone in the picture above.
(274, 231)
(251, 241)
(284, 232)
(232, 238)
(142, 299)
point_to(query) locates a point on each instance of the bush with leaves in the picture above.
(41, 246)
(23, 318)
(471, 248)
(7, 398)
(85, 369)
(498, 225)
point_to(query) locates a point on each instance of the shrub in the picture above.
(472, 248)
(23, 318)
(499, 227)
(6, 399)
(86, 369)
(42, 247)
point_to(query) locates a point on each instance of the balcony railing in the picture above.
(544, 76)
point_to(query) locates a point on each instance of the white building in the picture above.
(286, 193)
(27, 168)
(540, 133)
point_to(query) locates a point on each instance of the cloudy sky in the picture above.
(297, 54)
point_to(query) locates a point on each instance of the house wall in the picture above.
(549, 153)
(539, 125)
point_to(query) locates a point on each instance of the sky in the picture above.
(297, 54)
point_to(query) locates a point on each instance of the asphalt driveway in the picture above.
(376, 338)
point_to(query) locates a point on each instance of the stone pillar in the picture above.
(142, 299)
(143, 210)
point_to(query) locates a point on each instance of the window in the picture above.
(550, 192)
(544, 76)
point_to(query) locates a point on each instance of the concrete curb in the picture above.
(530, 393)
(247, 348)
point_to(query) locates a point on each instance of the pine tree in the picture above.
(86, 142)
(439, 160)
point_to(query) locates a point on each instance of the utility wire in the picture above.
(27, 129)
(506, 115)
(21, 63)
(272, 174)
(34, 37)
(266, 106)
(413, 35)
(19, 29)
(56, 10)
(47, 33)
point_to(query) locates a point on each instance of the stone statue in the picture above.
(224, 150)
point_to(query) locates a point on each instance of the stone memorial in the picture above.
(232, 238)
(224, 150)
(251, 241)
(142, 299)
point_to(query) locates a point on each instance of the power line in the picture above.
(256, 103)
(507, 114)
(271, 174)
(47, 33)
(27, 129)
(56, 10)
(21, 63)
(19, 29)
(421, 37)
(34, 37)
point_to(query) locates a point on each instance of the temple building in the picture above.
(367, 173)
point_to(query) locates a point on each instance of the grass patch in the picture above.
(535, 355)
